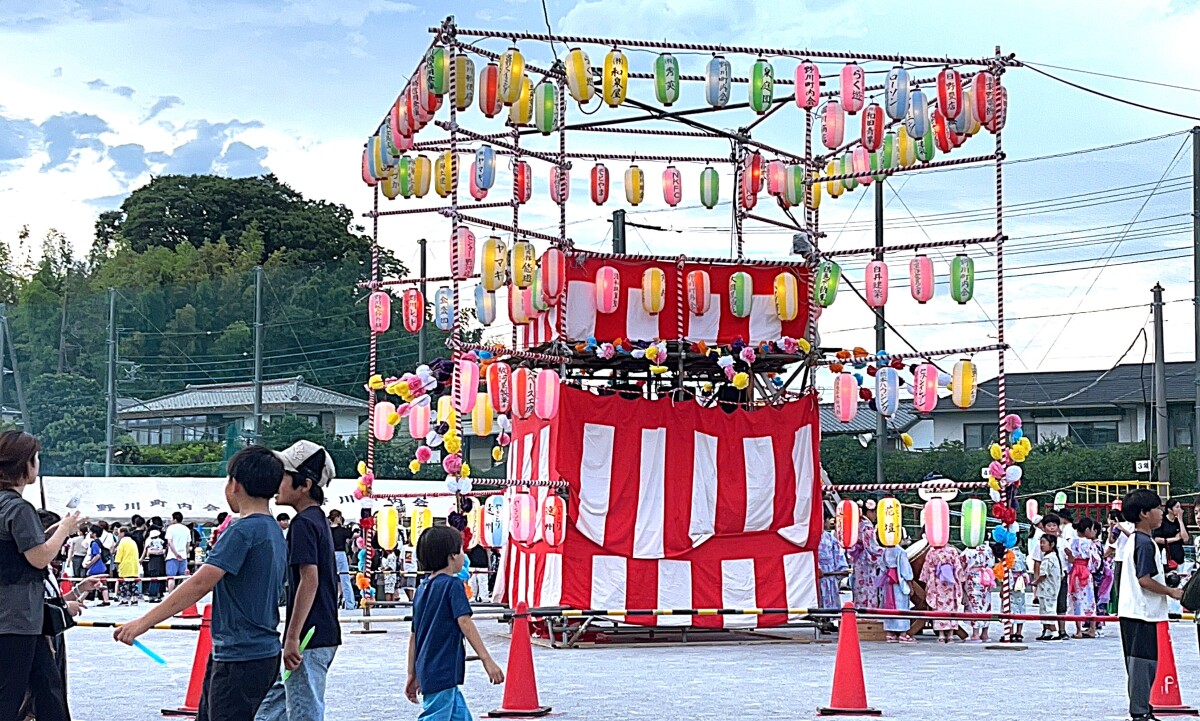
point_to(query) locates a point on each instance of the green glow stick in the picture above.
(303, 645)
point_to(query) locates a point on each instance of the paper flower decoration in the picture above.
(741, 381)
(747, 355)
(452, 463)
(414, 466)
(497, 454)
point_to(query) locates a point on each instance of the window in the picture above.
(1093, 434)
(1180, 422)
(979, 435)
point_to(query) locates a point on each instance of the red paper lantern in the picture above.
(808, 85)
(489, 90)
(748, 196)
(999, 109)
(379, 311)
(942, 131)
(600, 184)
(524, 392)
(412, 308)
(754, 170)
(776, 177)
(872, 127)
(848, 517)
(699, 291)
(560, 184)
(499, 386)
(554, 519)
(523, 181)
(949, 84)
(982, 93)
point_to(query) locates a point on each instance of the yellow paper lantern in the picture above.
(635, 185)
(445, 412)
(495, 264)
(524, 264)
(520, 112)
(512, 73)
(422, 170)
(481, 415)
(654, 290)
(787, 297)
(616, 78)
(387, 527)
(579, 76)
(464, 81)
(891, 529)
(964, 388)
(422, 518)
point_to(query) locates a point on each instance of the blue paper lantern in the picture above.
(896, 93)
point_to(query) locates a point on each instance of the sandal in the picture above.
(1046, 637)
(905, 638)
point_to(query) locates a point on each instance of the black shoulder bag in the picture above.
(55, 616)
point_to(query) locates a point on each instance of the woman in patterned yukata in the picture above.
(1083, 559)
(898, 574)
(978, 583)
(943, 575)
(831, 560)
(866, 557)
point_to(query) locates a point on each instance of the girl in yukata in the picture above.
(1083, 559)
(866, 557)
(978, 583)
(1020, 581)
(943, 575)
(898, 573)
(1048, 580)
(831, 560)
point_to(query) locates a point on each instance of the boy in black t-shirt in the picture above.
(311, 589)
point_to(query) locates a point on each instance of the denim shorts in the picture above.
(448, 705)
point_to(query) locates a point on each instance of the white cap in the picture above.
(296, 454)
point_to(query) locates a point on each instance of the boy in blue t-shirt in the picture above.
(244, 572)
(441, 618)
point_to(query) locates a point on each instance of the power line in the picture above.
(1108, 96)
(1114, 77)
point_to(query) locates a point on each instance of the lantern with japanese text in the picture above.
(520, 112)
(387, 527)
(635, 185)
(465, 385)
(495, 515)
(920, 278)
(499, 386)
(379, 311)
(926, 147)
(524, 392)
(999, 116)
(787, 297)
(925, 386)
(741, 294)
(545, 405)
(762, 86)
(833, 125)
(887, 391)
(699, 291)
(746, 194)
(917, 120)
(847, 519)
(877, 284)
(382, 430)
(973, 530)
(560, 184)
(481, 415)
(537, 296)
(654, 290)
(412, 309)
(398, 119)
(963, 380)
(477, 192)
(485, 167)
(390, 184)
(473, 535)
(615, 81)
(808, 85)
(608, 289)
(891, 520)
(523, 264)
(495, 264)
(522, 181)
(441, 174)
(872, 127)
(464, 244)
(666, 79)
(437, 70)
(936, 519)
(511, 76)
(554, 519)
(579, 76)
(552, 269)
(545, 107)
(672, 185)
(600, 184)
(490, 103)
(962, 279)
(896, 93)
(754, 171)
(443, 309)
(418, 419)
(522, 518)
(949, 85)
(845, 397)
(943, 131)
(464, 81)
(710, 185)
(717, 78)
(983, 94)
(520, 305)
(854, 84)
(422, 170)
(825, 283)
(485, 305)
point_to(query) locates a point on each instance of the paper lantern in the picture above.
(520, 112)
(390, 184)
(891, 519)
(1060, 500)
(465, 385)
(848, 518)
(762, 86)
(560, 184)
(422, 172)
(718, 76)
(608, 289)
(825, 287)
(412, 309)
(367, 176)
(920, 278)
(699, 291)
(966, 117)
(524, 392)
(877, 284)
(553, 271)
(464, 81)
(983, 87)
(382, 430)
(379, 311)
(833, 125)
(494, 271)
(854, 84)
(499, 386)
(484, 168)
(793, 186)
(418, 420)
(936, 517)
(398, 119)
(520, 305)
(860, 164)
(917, 120)
(405, 176)
(896, 93)
(441, 174)
(872, 127)
(710, 185)
(464, 244)
(475, 526)
(437, 70)
(754, 170)
(391, 151)
(666, 79)
(523, 522)
(522, 181)
(845, 397)
(524, 263)
(846, 167)
(973, 530)
(615, 81)
(787, 297)
(808, 85)
(964, 384)
(545, 107)
(490, 103)
(1031, 510)
(579, 75)
(600, 184)
(654, 290)
(427, 101)
(422, 519)
(443, 302)
(485, 305)
(942, 131)
(537, 296)
(545, 404)
(741, 294)
(554, 519)
(813, 200)
(635, 184)
(672, 185)
(925, 386)
(445, 412)
(906, 147)
(481, 415)
(962, 279)
(387, 527)
(511, 76)
(776, 177)
(887, 391)
(494, 517)
(949, 85)
(477, 192)
(746, 194)
(999, 109)
(375, 157)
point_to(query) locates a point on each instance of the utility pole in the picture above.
(111, 421)
(258, 352)
(1196, 293)
(1161, 429)
(880, 337)
(16, 369)
(421, 332)
(618, 222)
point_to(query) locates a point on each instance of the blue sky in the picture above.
(98, 96)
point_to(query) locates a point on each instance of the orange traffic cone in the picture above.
(191, 611)
(1164, 695)
(849, 696)
(520, 684)
(191, 702)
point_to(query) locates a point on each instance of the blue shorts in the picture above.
(177, 567)
(448, 705)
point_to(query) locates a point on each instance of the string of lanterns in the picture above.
(849, 387)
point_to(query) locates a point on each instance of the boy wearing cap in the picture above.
(312, 597)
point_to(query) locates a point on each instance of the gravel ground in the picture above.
(923, 682)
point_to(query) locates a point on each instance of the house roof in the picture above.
(286, 394)
(1124, 385)
(864, 421)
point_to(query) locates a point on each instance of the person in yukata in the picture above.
(978, 583)
(898, 574)
(1083, 555)
(943, 575)
(866, 557)
(831, 560)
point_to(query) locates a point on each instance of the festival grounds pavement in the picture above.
(1077, 679)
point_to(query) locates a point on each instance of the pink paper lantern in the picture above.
(418, 420)
(399, 120)
(554, 519)
(477, 192)
(522, 523)
(608, 289)
(983, 87)
(672, 185)
(920, 278)
(877, 284)
(524, 392)
(699, 291)
(499, 386)
(873, 124)
(833, 125)
(845, 397)
(925, 387)
(553, 270)
(379, 311)
(854, 84)
(546, 402)
(776, 177)
(936, 518)
(560, 184)
(366, 168)
(379, 423)
(748, 195)
(464, 242)
(808, 85)
(860, 161)
(465, 385)
(950, 92)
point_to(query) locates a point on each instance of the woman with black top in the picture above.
(1173, 533)
(341, 540)
(25, 553)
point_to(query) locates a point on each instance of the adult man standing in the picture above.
(179, 540)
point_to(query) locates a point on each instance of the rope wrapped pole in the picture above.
(1001, 394)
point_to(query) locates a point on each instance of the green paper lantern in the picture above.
(876, 166)
(545, 107)
(437, 71)
(889, 154)
(793, 186)
(666, 79)
(741, 294)
(973, 530)
(405, 173)
(962, 279)
(846, 167)
(762, 86)
(825, 287)
(710, 187)
(925, 148)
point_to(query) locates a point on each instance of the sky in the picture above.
(99, 96)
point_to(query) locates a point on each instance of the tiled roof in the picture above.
(231, 397)
(1121, 386)
(864, 421)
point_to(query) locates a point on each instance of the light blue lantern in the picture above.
(896, 93)
(485, 167)
(485, 305)
(916, 121)
(717, 78)
(444, 309)
(887, 391)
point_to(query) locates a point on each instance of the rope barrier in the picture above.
(160, 627)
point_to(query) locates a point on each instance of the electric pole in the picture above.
(111, 421)
(1196, 293)
(22, 402)
(258, 353)
(1161, 429)
(618, 222)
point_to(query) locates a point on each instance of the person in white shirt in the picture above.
(1116, 537)
(179, 540)
(1050, 527)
